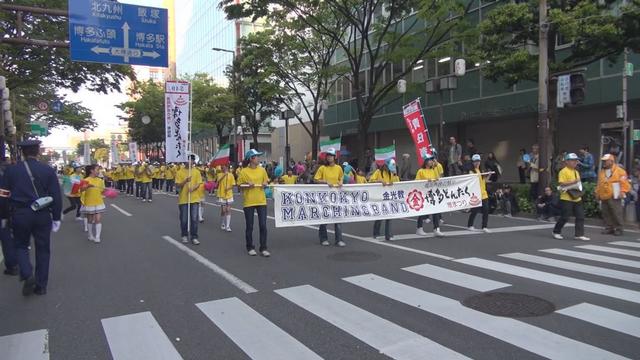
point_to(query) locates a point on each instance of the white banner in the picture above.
(133, 151)
(115, 156)
(564, 90)
(297, 205)
(86, 153)
(177, 117)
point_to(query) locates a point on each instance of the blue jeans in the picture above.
(322, 231)
(145, 191)
(184, 209)
(262, 223)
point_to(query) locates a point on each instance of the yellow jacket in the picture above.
(604, 189)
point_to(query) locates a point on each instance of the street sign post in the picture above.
(56, 106)
(110, 32)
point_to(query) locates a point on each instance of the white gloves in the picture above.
(55, 226)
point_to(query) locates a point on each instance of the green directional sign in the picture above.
(628, 70)
(39, 128)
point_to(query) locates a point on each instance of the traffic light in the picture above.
(578, 85)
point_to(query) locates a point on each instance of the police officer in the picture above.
(28, 181)
(8, 247)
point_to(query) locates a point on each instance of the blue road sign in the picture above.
(56, 106)
(106, 31)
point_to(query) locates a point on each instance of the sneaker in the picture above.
(227, 229)
(201, 221)
(150, 200)
(252, 252)
(11, 272)
(195, 242)
(28, 286)
(265, 253)
(39, 291)
(78, 218)
(185, 240)
(486, 230)
(91, 238)
(438, 233)
(471, 228)
(223, 227)
(96, 240)
(557, 236)
(341, 243)
(441, 221)
(144, 200)
(421, 232)
(427, 220)
(583, 238)
(508, 216)
(325, 243)
(618, 232)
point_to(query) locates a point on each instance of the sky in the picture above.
(101, 105)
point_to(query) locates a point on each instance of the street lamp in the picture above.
(232, 148)
(146, 119)
(447, 82)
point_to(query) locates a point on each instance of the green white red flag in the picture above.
(221, 157)
(382, 154)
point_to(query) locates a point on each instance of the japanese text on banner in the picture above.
(177, 97)
(415, 123)
(297, 205)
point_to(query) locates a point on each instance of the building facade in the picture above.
(499, 118)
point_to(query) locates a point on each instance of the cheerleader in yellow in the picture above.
(226, 182)
(93, 187)
(387, 176)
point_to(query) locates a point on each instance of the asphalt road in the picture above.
(142, 295)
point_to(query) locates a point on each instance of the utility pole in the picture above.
(543, 96)
(626, 129)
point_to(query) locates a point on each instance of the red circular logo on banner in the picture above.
(474, 201)
(415, 199)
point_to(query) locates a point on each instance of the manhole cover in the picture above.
(509, 304)
(355, 256)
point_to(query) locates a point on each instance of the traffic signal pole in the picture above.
(543, 97)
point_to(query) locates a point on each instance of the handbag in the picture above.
(41, 202)
(575, 193)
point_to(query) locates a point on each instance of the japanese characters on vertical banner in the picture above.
(133, 151)
(417, 128)
(115, 156)
(176, 114)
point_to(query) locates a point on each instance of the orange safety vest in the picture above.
(604, 189)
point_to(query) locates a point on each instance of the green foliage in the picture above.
(521, 193)
(212, 106)
(591, 205)
(149, 100)
(596, 31)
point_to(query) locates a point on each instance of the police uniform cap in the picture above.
(29, 143)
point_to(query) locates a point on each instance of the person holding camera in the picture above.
(570, 188)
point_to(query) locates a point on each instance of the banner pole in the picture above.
(189, 150)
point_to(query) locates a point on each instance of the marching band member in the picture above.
(386, 175)
(429, 171)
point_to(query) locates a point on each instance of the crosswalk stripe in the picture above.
(604, 317)
(610, 250)
(568, 265)
(566, 281)
(626, 243)
(388, 338)
(456, 278)
(32, 345)
(534, 339)
(138, 336)
(254, 334)
(594, 257)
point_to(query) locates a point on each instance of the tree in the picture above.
(302, 60)
(258, 92)
(212, 105)
(377, 41)
(595, 29)
(73, 114)
(148, 100)
(94, 146)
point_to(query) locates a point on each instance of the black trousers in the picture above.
(568, 209)
(74, 204)
(435, 219)
(262, 223)
(485, 214)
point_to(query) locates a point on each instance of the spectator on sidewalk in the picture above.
(586, 165)
(508, 201)
(454, 163)
(613, 186)
(548, 205)
(404, 170)
(492, 164)
(522, 166)
(470, 148)
(534, 171)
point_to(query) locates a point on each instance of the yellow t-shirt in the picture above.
(144, 177)
(253, 196)
(128, 173)
(170, 173)
(483, 183)
(289, 180)
(155, 173)
(386, 177)
(428, 174)
(568, 175)
(440, 169)
(225, 185)
(331, 174)
(93, 195)
(196, 180)
(361, 179)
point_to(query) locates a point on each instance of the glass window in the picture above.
(444, 66)
(346, 88)
(431, 68)
(418, 72)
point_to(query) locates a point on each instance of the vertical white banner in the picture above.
(115, 157)
(177, 117)
(133, 151)
(564, 90)
(87, 153)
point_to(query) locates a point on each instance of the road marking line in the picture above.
(604, 317)
(138, 336)
(610, 250)
(121, 210)
(568, 265)
(244, 326)
(476, 232)
(594, 257)
(456, 278)
(361, 238)
(626, 243)
(389, 338)
(234, 280)
(534, 339)
(550, 278)
(32, 345)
